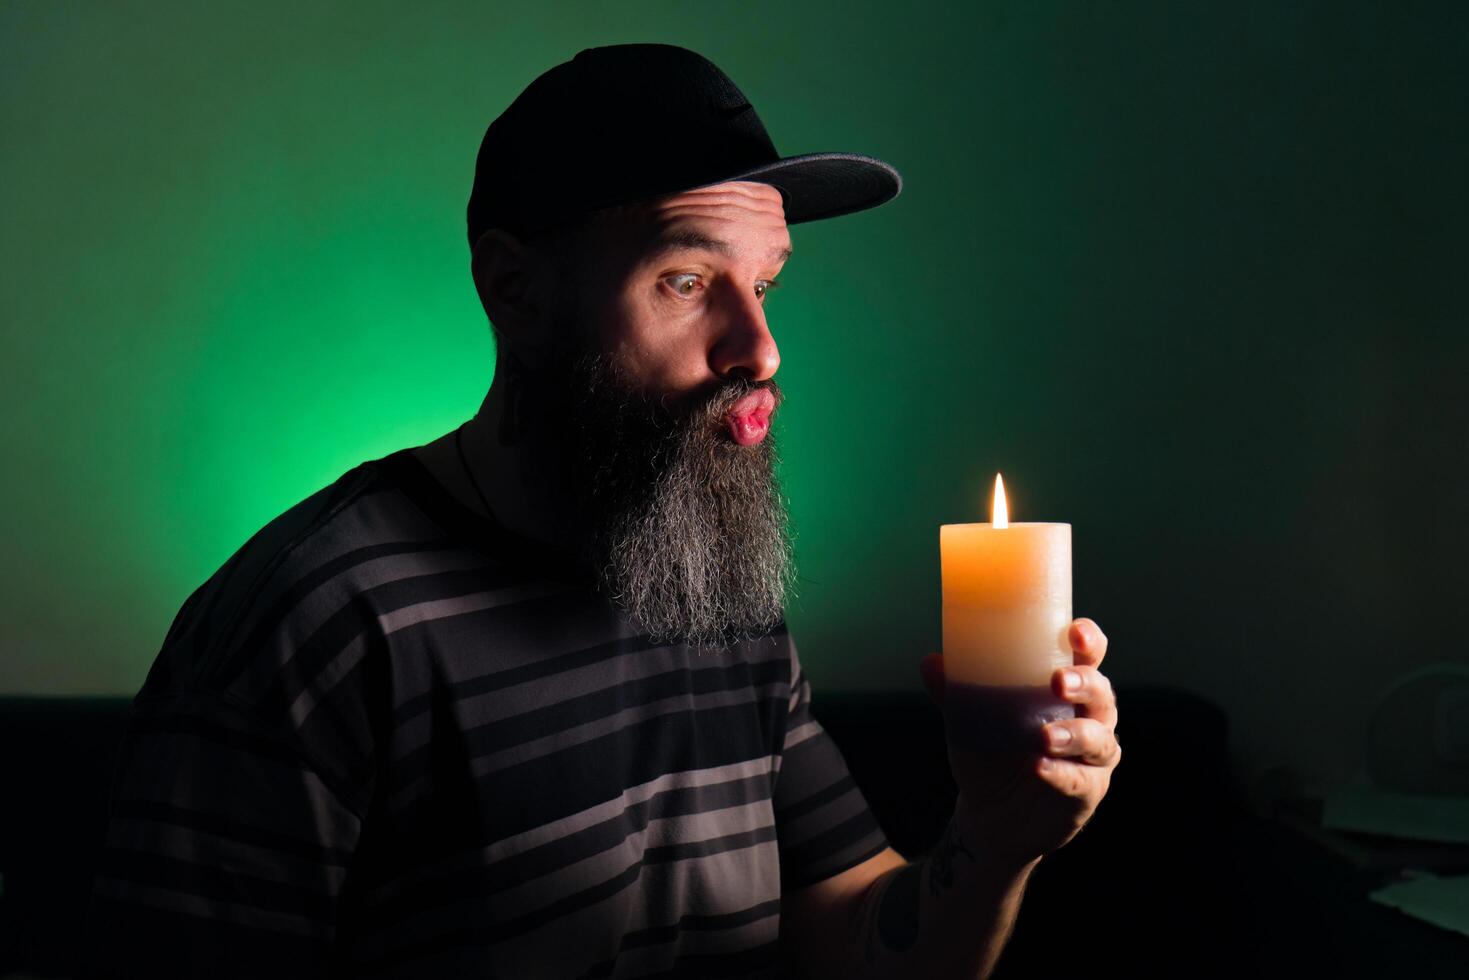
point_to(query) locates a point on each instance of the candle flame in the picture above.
(1000, 510)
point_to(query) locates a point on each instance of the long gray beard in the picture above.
(685, 529)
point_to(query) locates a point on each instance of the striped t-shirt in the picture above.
(387, 738)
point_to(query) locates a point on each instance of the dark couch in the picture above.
(1154, 873)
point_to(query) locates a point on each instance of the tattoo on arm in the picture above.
(892, 912)
(890, 917)
(941, 862)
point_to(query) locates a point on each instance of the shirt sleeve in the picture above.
(225, 854)
(823, 823)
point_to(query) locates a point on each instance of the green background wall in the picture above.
(1191, 275)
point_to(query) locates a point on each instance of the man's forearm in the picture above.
(948, 915)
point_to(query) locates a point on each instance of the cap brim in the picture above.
(825, 185)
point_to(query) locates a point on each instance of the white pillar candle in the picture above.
(1006, 612)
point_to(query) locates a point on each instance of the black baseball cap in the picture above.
(631, 122)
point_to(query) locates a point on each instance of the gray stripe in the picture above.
(830, 864)
(663, 892)
(209, 908)
(613, 723)
(800, 689)
(579, 734)
(318, 606)
(342, 664)
(268, 794)
(425, 612)
(330, 675)
(539, 631)
(360, 523)
(572, 823)
(258, 554)
(711, 885)
(603, 675)
(542, 692)
(808, 825)
(580, 620)
(795, 736)
(200, 847)
(698, 942)
(682, 829)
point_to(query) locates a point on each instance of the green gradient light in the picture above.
(1189, 275)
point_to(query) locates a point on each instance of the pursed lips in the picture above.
(748, 419)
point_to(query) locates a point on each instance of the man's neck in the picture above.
(500, 474)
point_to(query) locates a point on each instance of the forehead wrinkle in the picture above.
(690, 239)
(671, 230)
(746, 192)
(712, 206)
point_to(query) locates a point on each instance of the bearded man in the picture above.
(521, 701)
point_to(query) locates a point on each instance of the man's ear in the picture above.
(507, 277)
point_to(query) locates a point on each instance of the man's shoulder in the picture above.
(320, 534)
(289, 577)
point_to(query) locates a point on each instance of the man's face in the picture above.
(680, 286)
(667, 395)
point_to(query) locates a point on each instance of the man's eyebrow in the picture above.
(692, 240)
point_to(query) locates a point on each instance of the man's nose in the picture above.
(744, 344)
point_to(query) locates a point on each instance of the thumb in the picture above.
(931, 669)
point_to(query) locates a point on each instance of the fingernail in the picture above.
(1059, 736)
(1071, 680)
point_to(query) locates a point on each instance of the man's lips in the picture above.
(749, 418)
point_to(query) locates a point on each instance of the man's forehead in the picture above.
(684, 236)
(728, 219)
(752, 192)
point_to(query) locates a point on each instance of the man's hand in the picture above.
(951, 914)
(1020, 806)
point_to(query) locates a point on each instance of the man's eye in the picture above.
(688, 283)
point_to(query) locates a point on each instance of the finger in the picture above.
(1083, 740)
(931, 669)
(1093, 695)
(1083, 782)
(1088, 641)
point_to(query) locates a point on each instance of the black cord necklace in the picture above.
(459, 443)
